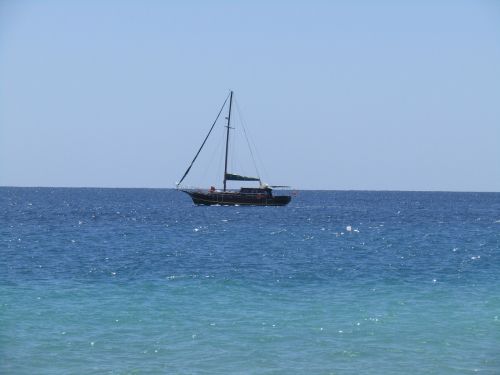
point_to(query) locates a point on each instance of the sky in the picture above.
(341, 95)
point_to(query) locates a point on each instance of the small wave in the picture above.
(278, 231)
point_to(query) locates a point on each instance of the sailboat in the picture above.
(261, 195)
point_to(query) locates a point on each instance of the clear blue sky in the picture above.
(337, 94)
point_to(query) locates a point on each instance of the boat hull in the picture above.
(231, 199)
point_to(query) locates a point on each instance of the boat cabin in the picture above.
(267, 191)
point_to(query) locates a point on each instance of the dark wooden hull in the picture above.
(231, 199)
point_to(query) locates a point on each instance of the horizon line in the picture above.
(299, 189)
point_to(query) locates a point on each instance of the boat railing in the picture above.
(282, 190)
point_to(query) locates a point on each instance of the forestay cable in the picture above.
(204, 141)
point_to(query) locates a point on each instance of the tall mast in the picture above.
(227, 136)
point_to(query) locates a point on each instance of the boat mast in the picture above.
(227, 136)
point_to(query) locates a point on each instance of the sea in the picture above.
(141, 281)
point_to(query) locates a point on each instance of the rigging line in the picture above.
(203, 144)
(215, 151)
(259, 158)
(246, 138)
(266, 173)
(236, 159)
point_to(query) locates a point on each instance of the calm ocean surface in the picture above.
(141, 281)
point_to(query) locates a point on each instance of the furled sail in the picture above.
(236, 177)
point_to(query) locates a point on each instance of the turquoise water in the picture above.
(141, 281)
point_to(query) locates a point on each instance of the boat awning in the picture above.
(237, 177)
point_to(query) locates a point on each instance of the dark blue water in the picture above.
(142, 281)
